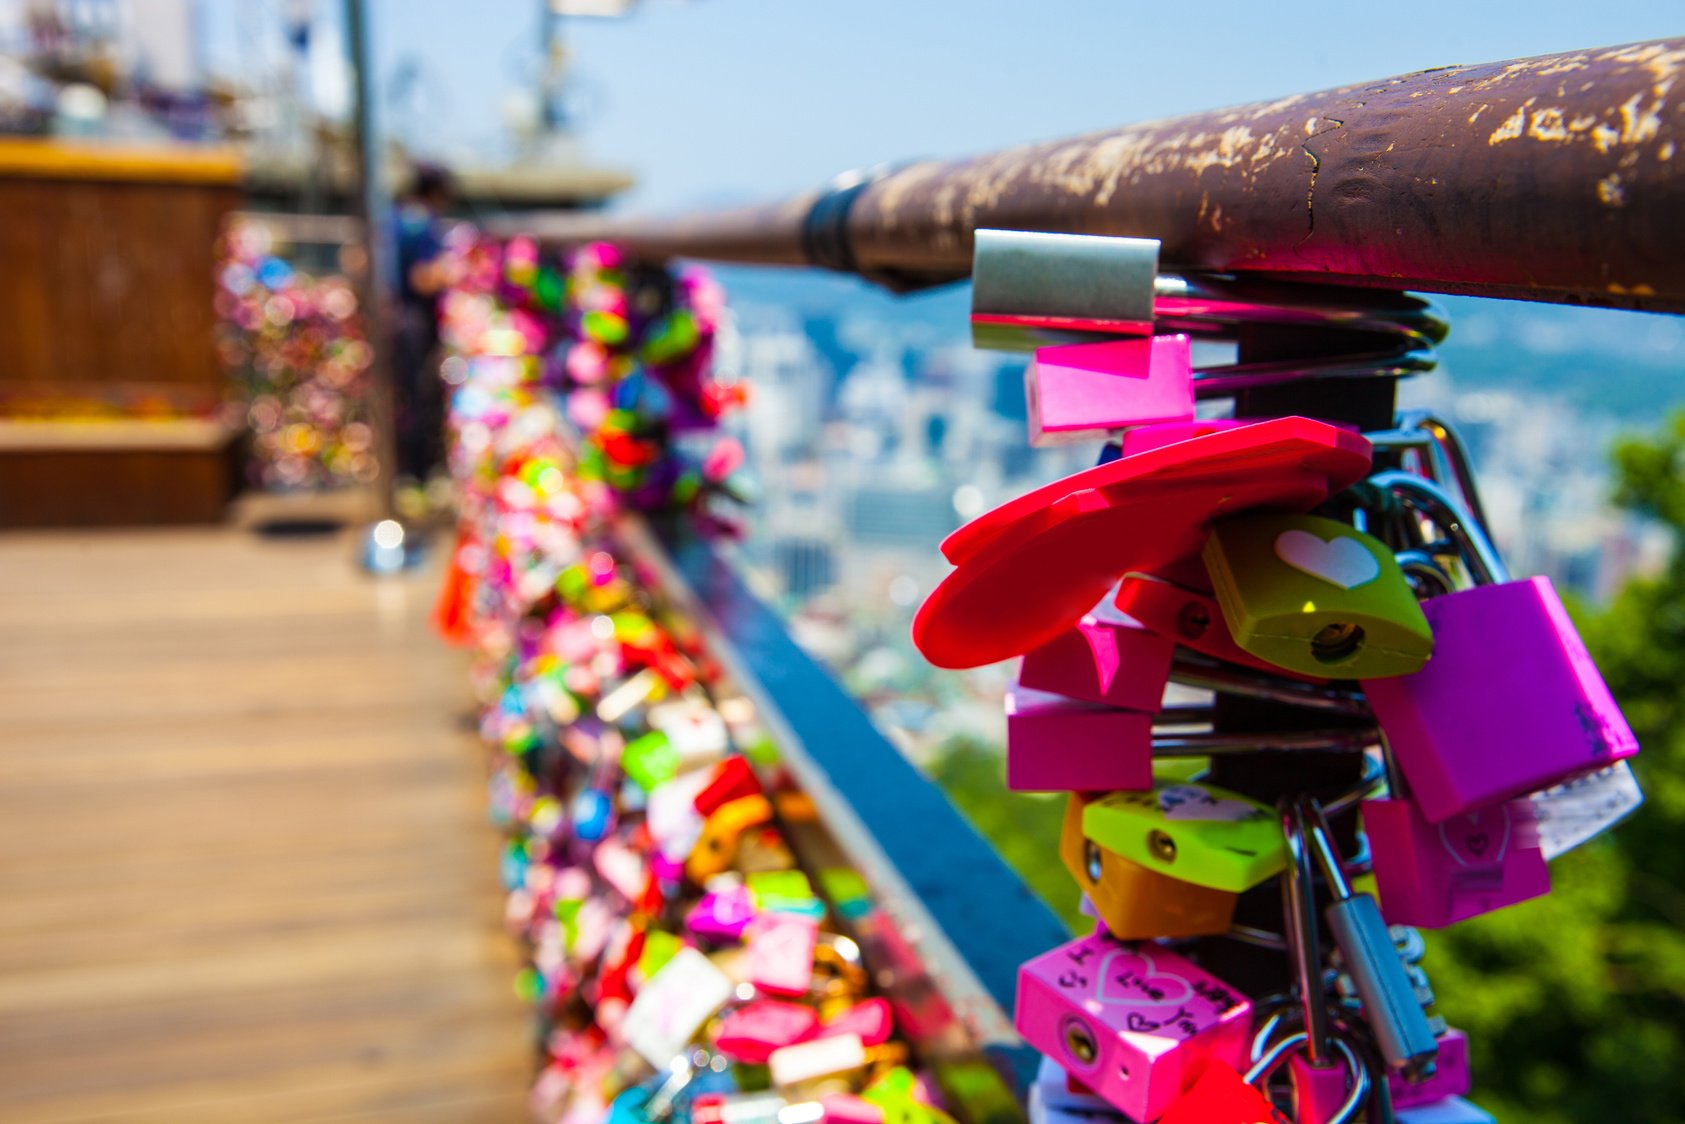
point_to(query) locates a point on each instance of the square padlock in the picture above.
(1193, 832)
(1135, 903)
(1434, 875)
(1080, 391)
(1132, 1021)
(1056, 744)
(1104, 658)
(1316, 597)
(1510, 703)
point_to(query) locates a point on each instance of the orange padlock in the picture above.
(1135, 902)
(721, 832)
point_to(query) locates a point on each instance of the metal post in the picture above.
(388, 547)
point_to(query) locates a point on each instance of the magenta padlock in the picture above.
(1055, 744)
(1450, 1076)
(720, 916)
(1510, 701)
(1434, 875)
(1107, 657)
(1131, 1021)
(780, 952)
(1080, 391)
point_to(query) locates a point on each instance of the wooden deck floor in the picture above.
(245, 873)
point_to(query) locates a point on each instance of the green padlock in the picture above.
(1316, 597)
(1194, 832)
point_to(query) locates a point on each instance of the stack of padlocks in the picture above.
(293, 343)
(682, 965)
(1334, 573)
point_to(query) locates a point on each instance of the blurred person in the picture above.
(425, 271)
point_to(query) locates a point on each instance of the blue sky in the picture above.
(725, 100)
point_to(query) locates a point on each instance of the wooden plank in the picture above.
(243, 857)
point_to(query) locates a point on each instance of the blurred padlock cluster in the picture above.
(293, 342)
(1300, 707)
(688, 925)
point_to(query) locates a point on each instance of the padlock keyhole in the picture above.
(1161, 846)
(1337, 642)
(1080, 1044)
(1092, 861)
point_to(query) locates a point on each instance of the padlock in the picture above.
(1583, 808)
(1400, 1026)
(732, 778)
(751, 1033)
(1511, 701)
(1451, 1110)
(904, 1097)
(1031, 279)
(1057, 744)
(671, 1007)
(1450, 1078)
(1136, 903)
(780, 950)
(1131, 1021)
(1189, 618)
(1032, 567)
(1104, 658)
(871, 1019)
(721, 915)
(722, 833)
(793, 1066)
(1219, 1094)
(1078, 392)
(1316, 597)
(1192, 832)
(763, 1107)
(1434, 875)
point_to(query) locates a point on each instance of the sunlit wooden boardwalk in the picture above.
(244, 868)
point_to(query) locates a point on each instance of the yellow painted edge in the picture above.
(19, 435)
(23, 157)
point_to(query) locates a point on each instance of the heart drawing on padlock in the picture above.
(1131, 978)
(1338, 561)
(1477, 838)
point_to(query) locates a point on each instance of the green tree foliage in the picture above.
(1574, 1003)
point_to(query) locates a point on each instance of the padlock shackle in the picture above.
(1212, 742)
(1259, 1074)
(1452, 464)
(1193, 671)
(1298, 913)
(1320, 840)
(1433, 502)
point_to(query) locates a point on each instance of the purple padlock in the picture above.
(1106, 657)
(1510, 702)
(722, 915)
(1056, 744)
(1434, 875)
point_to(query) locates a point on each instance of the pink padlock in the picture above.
(1451, 1077)
(780, 952)
(1434, 875)
(1055, 744)
(1510, 703)
(752, 1032)
(1104, 658)
(1079, 391)
(1132, 1021)
(871, 1019)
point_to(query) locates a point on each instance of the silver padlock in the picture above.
(1401, 1029)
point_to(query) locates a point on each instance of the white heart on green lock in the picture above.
(1339, 561)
